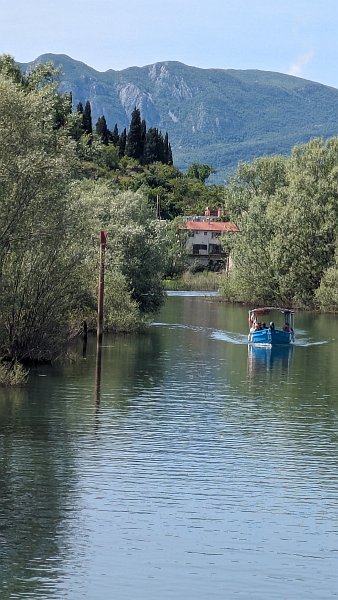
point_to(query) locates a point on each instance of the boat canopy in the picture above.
(267, 309)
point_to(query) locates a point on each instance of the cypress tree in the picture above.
(102, 130)
(170, 156)
(134, 147)
(79, 108)
(160, 147)
(87, 118)
(115, 136)
(122, 143)
(150, 153)
(143, 135)
(166, 149)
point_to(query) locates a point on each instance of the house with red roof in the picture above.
(203, 242)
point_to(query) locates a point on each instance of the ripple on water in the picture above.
(202, 468)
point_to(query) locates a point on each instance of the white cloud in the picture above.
(298, 66)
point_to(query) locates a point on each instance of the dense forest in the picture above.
(63, 179)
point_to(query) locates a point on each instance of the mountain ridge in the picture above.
(215, 116)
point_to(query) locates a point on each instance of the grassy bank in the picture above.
(205, 281)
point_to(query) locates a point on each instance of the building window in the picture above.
(205, 233)
(214, 249)
(197, 247)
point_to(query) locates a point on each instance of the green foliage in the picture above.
(102, 130)
(134, 142)
(326, 295)
(122, 143)
(87, 119)
(174, 248)
(39, 76)
(156, 148)
(10, 70)
(39, 261)
(286, 210)
(121, 310)
(135, 255)
(12, 374)
(115, 135)
(203, 281)
(177, 194)
(138, 248)
(200, 172)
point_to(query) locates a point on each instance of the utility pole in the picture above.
(100, 300)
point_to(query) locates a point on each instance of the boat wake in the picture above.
(227, 336)
(305, 343)
(238, 338)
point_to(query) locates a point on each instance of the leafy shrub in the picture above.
(12, 374)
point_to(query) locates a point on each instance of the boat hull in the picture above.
(270, 337)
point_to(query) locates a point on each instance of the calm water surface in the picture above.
(198, 468)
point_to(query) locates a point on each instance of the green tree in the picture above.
(286, 210)
(115, 136)
(134, 146)
(151, 143)
(305, 216)
(102, 130)
(200, 171)
(122, 143)
(11, 70)
(167, 153)
(87, 119)
(326, 294)
(40, 258)
(136, 245)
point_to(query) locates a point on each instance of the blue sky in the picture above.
(289, 36)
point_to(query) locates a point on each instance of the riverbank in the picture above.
(204, 281)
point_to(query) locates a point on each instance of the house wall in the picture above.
(210, 239)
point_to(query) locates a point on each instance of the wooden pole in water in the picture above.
(100, 300)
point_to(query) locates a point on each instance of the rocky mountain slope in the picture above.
(213, 116)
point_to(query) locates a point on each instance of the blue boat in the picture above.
(268, 334)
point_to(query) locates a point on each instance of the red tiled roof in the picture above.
(210, 226)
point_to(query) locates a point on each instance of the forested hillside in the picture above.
(212, 116)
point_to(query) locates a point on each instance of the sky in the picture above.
(298, 37)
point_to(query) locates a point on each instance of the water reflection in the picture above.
(210, 466)
(98, 373)
(36, 479)
(125, 368)
(263, 358)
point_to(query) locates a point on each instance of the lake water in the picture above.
(196, 468)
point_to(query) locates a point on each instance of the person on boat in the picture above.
(272, 325)
(286, 327)
(252, 323)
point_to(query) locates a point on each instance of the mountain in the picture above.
(212, 116)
